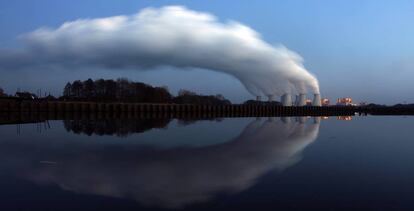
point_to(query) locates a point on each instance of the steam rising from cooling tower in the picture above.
(168, 36)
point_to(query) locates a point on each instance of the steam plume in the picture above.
(168, 36)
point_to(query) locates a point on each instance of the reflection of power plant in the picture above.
(163, 177)
(345, 118)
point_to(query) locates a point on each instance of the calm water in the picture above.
(222, 164)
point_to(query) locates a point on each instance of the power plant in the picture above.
(286, 100)
(317, 100)
(271, 98)
(301, 100)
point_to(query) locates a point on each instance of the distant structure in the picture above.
(286, 100)
(271, 98)
(258, 98)
(362, 103)
(346, 101)
(301, 101)
(325, 102)
(344, 118)
(25, 95)
(317, 100)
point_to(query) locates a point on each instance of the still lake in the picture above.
(276, 163)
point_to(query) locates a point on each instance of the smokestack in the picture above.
(317, 100)
(258, 98)
(302, 100)
(286, 100)
(271, 98)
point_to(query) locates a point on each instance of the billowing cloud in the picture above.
(168, 36)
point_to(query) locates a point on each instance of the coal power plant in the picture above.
(286, 100)
(265, 70)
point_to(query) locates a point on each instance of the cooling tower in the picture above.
(271, 98)
(286, 100)
(302, 100)
(317, 100)
(258, 98)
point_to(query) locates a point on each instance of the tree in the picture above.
(100, 89)
(67, 91)
(88, 89)
(110, 90)
(184, 92)
(76, 88)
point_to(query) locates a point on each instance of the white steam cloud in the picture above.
(168, 36)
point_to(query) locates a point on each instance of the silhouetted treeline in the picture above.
(124, 90)
(188, 97)
(2, 94)
(255, 102)
(121, 90)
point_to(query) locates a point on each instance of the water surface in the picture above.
(285, 163)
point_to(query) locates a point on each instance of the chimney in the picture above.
(317, 100)
(302, 100)
(286, 100)
(258, 98)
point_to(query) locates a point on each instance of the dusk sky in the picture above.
(360, 49)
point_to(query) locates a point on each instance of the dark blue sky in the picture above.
(362, 49)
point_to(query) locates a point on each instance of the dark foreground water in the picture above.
(222, 164)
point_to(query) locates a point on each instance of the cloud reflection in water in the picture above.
(170, 178)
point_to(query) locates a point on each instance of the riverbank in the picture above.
(233, 110)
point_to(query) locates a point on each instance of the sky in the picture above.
(363, 49)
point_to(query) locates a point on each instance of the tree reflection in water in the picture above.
(120, 127)
(168, 178)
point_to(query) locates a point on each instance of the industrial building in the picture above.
(346, 101)
(325, 102)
